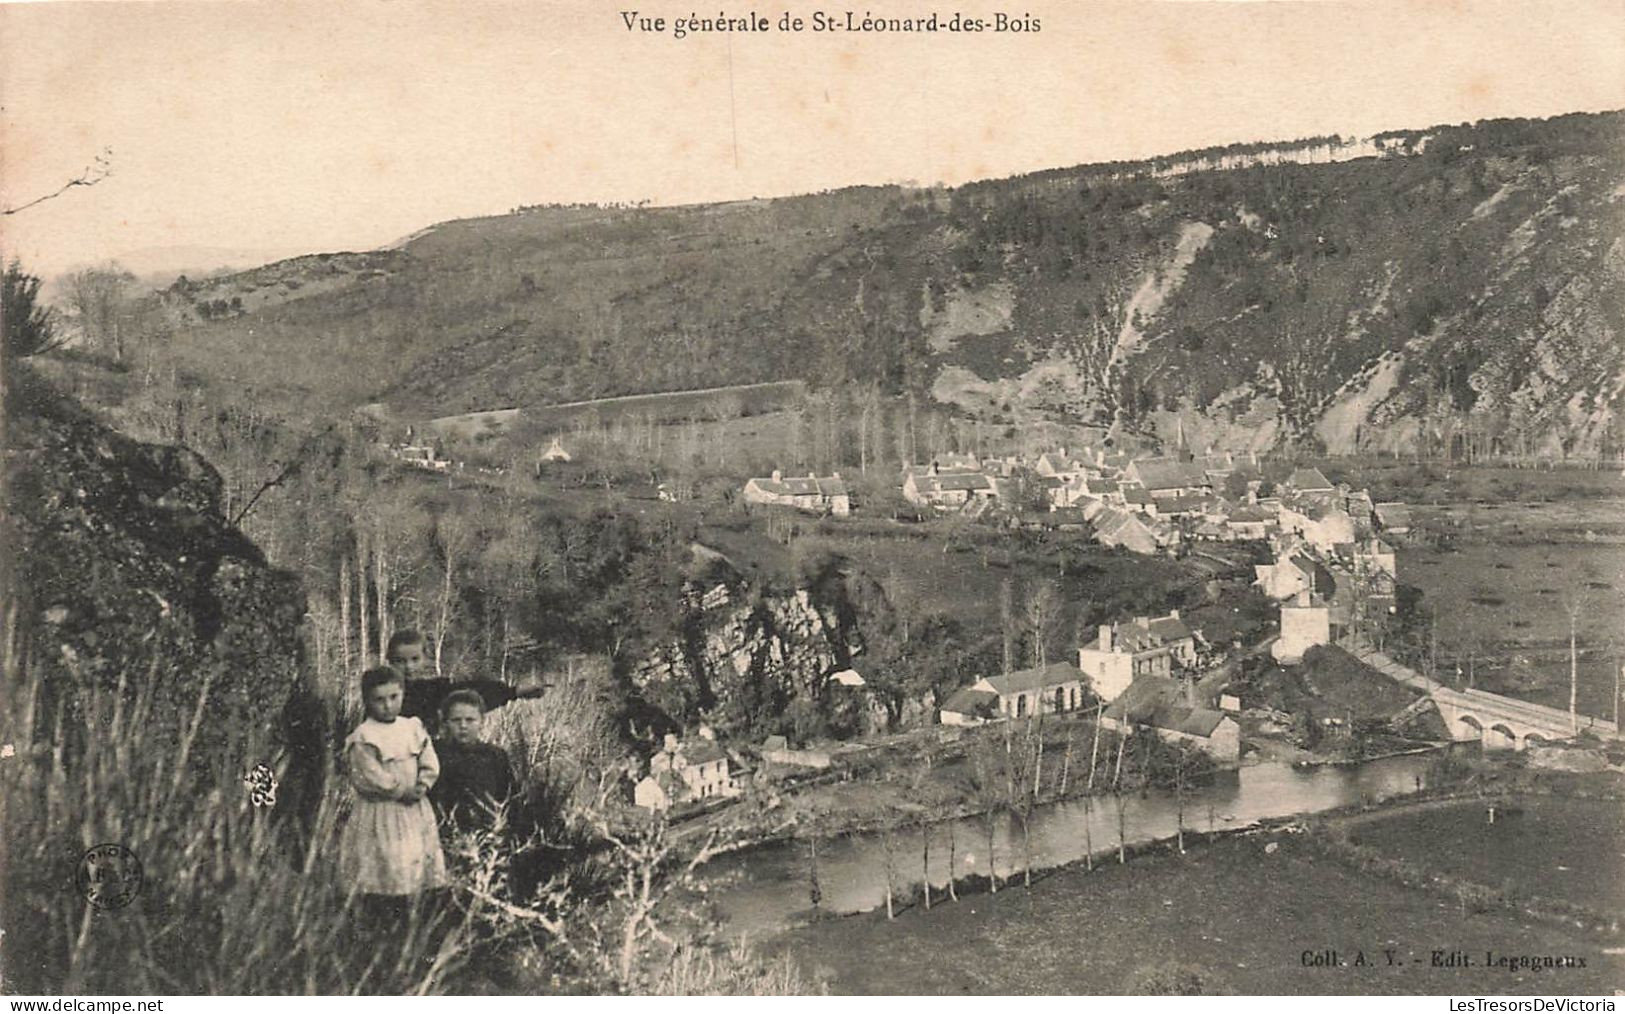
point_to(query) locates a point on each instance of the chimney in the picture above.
(778, 476)
(1105, 637)
(671, 743)
(1140, 621)
(706, 732)
(1173, 614)
(1190, 690)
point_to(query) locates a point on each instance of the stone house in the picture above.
(946, 490)
(1170, 708)
(819, 495)
(1142, 647)
(1056, 687)
(1167, 478)
(699, 765)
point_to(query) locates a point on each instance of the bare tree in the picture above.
(99, 302)
(1041, 608)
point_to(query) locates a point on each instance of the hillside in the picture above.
(1463, 289)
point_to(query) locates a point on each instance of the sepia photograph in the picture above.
(549, 498)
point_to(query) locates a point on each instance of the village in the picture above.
(1332, 579)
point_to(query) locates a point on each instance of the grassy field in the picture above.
(1568, 849)
(1244, 916)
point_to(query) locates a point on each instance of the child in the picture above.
(476, 780)
(425, 693)
(391, 848)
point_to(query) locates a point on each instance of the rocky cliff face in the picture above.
(742, 656)
(130, 579)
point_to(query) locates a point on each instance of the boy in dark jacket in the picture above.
(476, 781)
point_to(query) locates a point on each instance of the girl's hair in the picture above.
(464, 696)
(379, 676)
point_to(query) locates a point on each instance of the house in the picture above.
(1170, 708)
(1321, 525)
(1188, 506)
(1139, 499)
(970, 706)
(1142, 647)
(819, 495)
(1250, 521)
(1308, 480)
(1102, 490)
(657, 792)
(1056, 464)
(946, 490)
(1115, 527)
(555, 452)
(700, 766)
(421, 456)
(1393, 517)
(1043, 689)
(1167, 478)
(1292, 574)
(1305, 622)
(1357, 505)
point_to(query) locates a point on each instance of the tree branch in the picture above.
(93, 174)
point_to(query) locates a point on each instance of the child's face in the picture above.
(462, 724)
(384, 702)
(406, 659)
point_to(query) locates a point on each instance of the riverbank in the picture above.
(1250, 911)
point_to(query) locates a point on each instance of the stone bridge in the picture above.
(1503, 723)
(1500, 723)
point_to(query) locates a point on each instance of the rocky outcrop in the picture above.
(742, 655)
(129, 579)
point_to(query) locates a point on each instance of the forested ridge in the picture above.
(1470, 282)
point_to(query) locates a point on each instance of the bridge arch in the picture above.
(1474, 724)
(1535, 739)
(1500, 737)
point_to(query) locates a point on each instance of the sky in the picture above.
(294, 127)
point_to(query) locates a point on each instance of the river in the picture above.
(758, 890)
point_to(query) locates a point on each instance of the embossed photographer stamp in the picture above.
(109, 876)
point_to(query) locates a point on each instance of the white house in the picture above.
(699, 765)
(1142, 647)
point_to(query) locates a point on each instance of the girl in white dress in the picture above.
(391, 846)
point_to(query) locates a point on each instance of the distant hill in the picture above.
(1457, 286)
